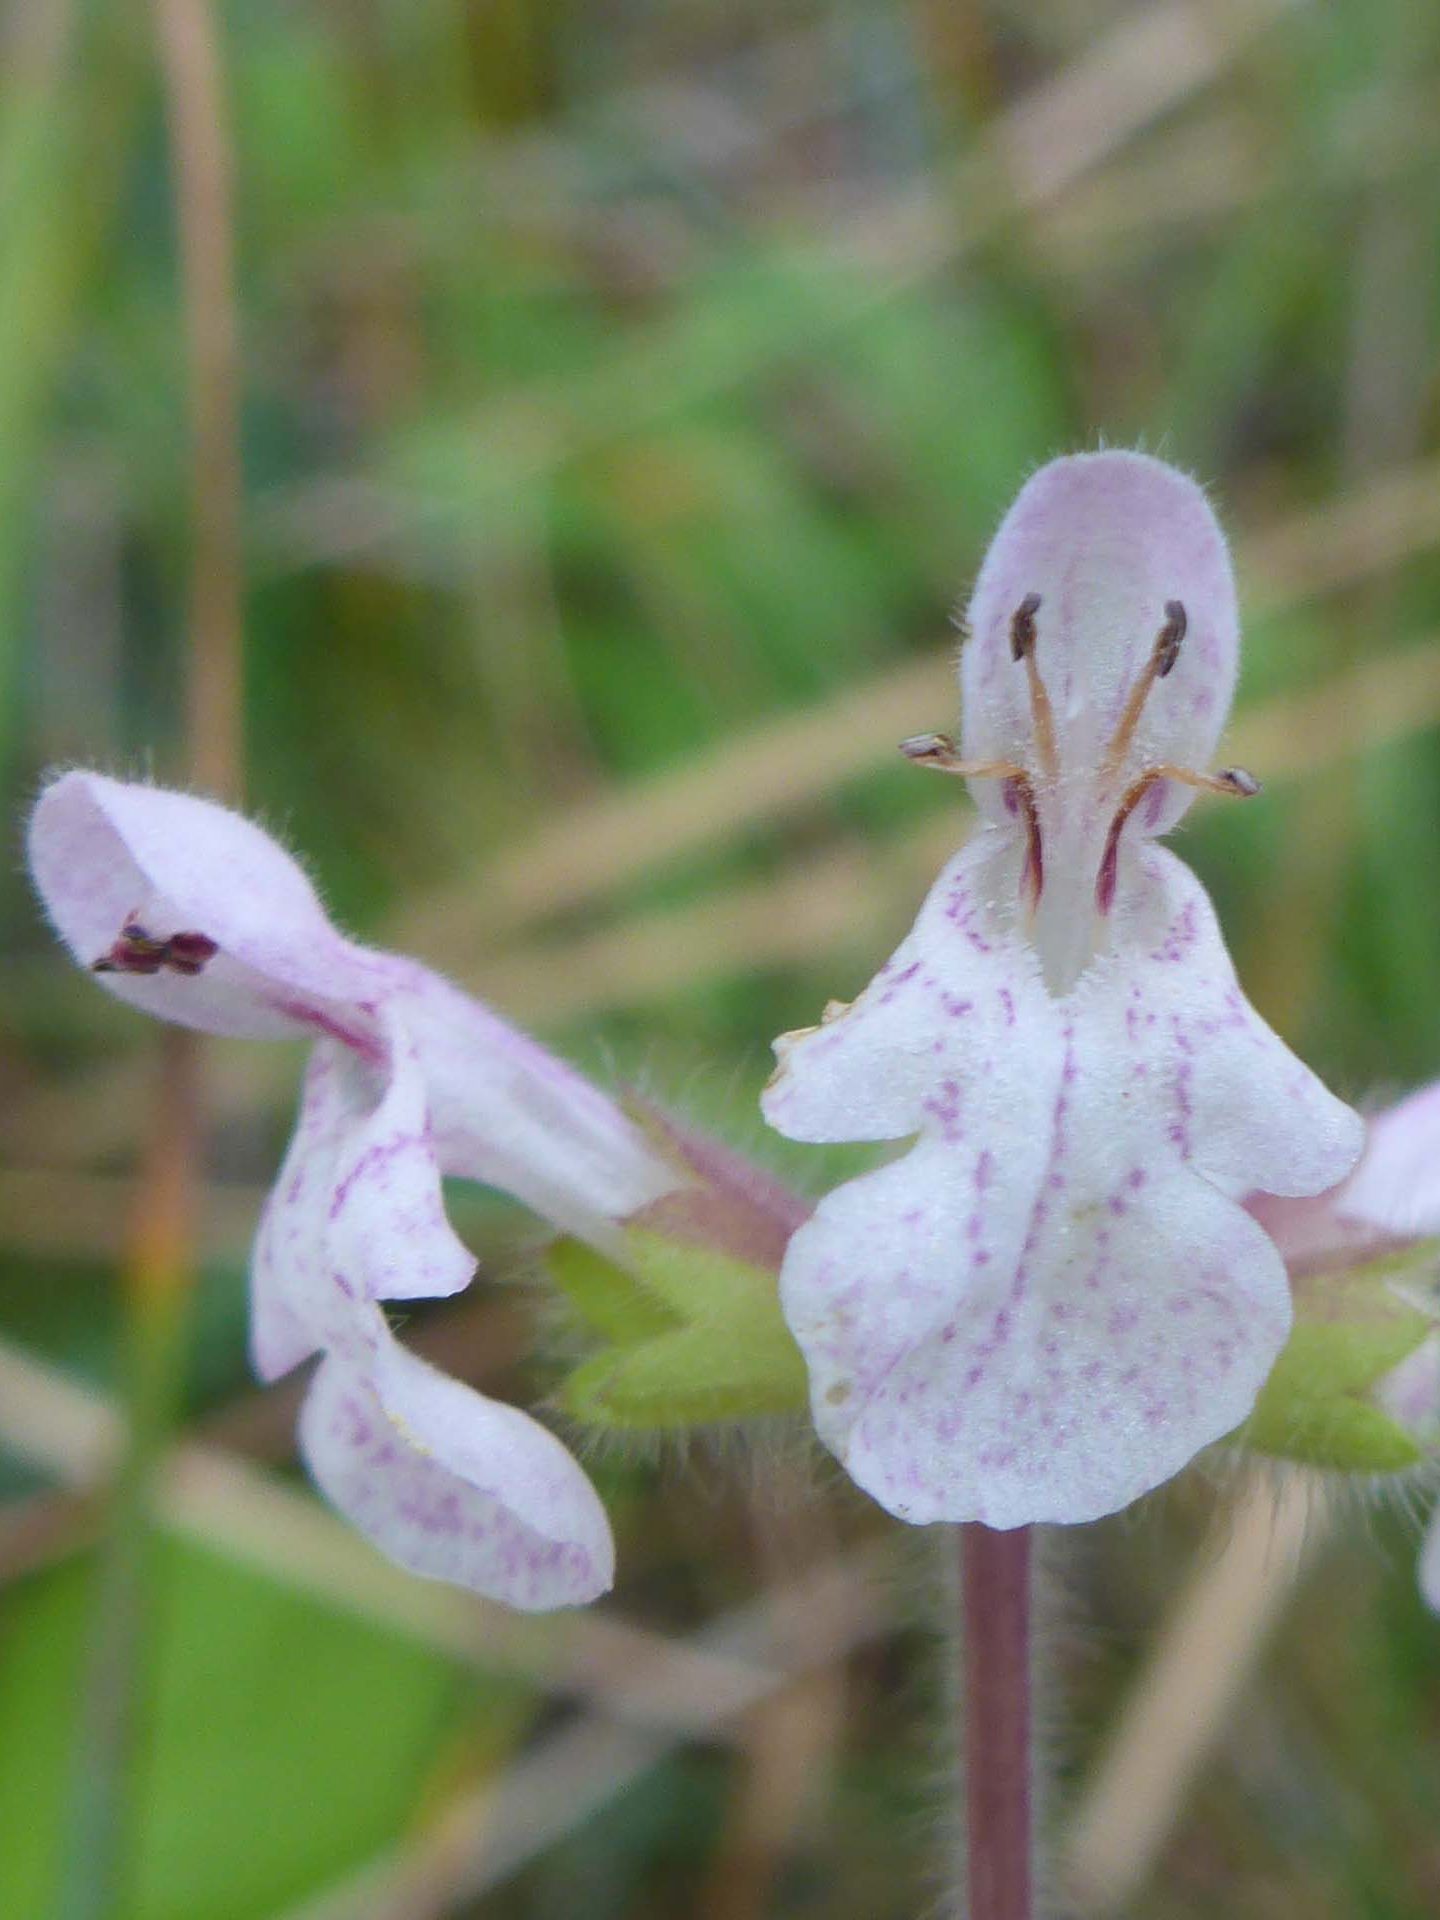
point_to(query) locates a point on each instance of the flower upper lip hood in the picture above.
(194, 914)
(1054, 1300)
(106, 852)
(109, 853)
(1100, 665)
(1104, 543)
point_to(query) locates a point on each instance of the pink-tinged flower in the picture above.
(1390, 1201)
(1054, 1300)
(1387, 1208)
(194, 914)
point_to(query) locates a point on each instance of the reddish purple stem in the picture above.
(995, 1587)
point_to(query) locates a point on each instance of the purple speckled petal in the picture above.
(357, 1212)
(1062, 1365)
(385, 1227)
(107, 852)
(1182, 1039)
(455, 1486)
(506, 1111)
(1052, 1302)
(296, 1304)
(957, 992)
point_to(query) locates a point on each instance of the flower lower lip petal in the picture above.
(454, 1486)
(1052, 1301)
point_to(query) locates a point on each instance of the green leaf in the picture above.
(286, 1743)
(1318, 1406)
(696, 1335)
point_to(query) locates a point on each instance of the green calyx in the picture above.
(1322, 1406)
(694, 1336)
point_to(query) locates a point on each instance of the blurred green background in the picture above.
(627, 393)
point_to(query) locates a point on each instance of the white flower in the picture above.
(1053, 1300)
(195, 915)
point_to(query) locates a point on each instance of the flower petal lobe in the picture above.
(1053, 1301)
(454, 1486)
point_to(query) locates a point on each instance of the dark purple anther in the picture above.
(189, 952)
(136, 951)
(1167, 647)
(1022, 627)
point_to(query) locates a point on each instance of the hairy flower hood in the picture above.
(1054, 1299)
(194, 914)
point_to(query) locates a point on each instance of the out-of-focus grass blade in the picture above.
(785, 763)
(1054, 135)
(813, 907)
(62, 153)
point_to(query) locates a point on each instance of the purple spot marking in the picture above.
(364, 1044)
(373, 1158)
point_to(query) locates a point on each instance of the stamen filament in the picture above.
(938, 750)
(1022, 647)
(1032, 875)
(1234, 781)
(1162, 658)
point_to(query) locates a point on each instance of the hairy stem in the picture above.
(997, 1718)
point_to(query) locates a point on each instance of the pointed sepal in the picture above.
(696, 1336)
